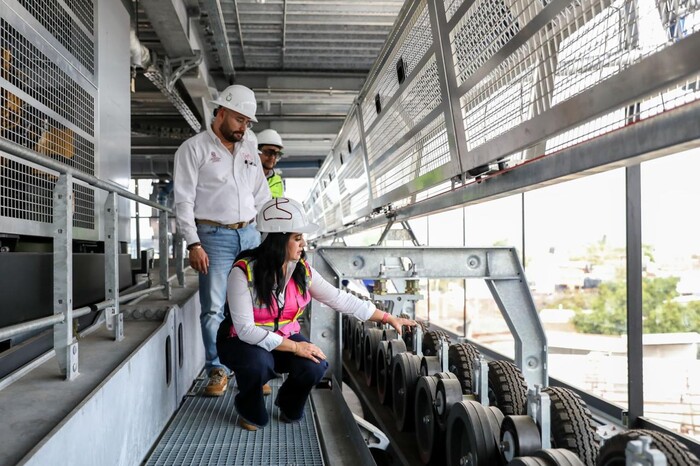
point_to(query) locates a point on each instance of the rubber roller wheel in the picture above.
(396, 346)
(449, 392)
(507, 388)
(407, 336)
(520, 436)
(430, 365)
(359, 340)
(572, 424)
(612, 453)
(431, 342)
(495, 417)
(344, 331)
(528, 461)
(405, 371)
(460, 361)
(382, 362)
(470, 437)
(372, 338)
(429, 437)
(559, 457)
(348, 334)
(389, 333)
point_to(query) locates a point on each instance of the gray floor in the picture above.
(205, 431)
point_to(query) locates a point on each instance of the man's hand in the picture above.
(199, 260)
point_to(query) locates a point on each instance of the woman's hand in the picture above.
(307, 350)
(398, 322)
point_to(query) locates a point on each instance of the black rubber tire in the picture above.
(372, 338)
(612, 453)
(559, 457)
(383, 368)
(572, 425)
(460, 359)
(507, 388)
(431, 342)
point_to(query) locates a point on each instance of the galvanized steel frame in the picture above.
(655, 72)
(499, 267)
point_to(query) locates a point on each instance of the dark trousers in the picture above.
(255, 366)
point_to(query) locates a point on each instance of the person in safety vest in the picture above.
(269, 288)
(219, 187)
(270, 149)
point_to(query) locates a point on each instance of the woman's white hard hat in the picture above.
(240, 99)
(283, 215)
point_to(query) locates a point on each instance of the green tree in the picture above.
(606, 312)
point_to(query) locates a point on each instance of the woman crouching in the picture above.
(268, 289)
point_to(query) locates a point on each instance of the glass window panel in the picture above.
(671, 291)
(446, 297)
(575, 260)
(493, 223)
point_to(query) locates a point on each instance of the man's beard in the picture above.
(232, 136)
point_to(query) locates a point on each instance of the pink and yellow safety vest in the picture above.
(284, 322)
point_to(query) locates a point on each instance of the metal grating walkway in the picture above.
(205, 431)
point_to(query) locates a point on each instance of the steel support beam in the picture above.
(499, 267)
(63, 342)
(218, 28)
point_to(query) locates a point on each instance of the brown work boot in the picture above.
(218, 382)
(246, 425)
(267, 390)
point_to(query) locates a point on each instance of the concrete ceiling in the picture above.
(305, 59)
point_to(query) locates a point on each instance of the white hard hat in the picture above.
(239, 99)
(270, 137)
(283, 215)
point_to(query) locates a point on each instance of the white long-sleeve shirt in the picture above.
(211, 183)
(240, 302)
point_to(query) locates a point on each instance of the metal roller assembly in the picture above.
(405, 370)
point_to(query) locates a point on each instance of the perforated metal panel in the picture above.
(205, 432)
(411, 46)
(47, 103)
(70, 23)
(525, 78)
(416, 157)
(585, 44)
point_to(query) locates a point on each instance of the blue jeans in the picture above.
(222, 246)
(255, 366)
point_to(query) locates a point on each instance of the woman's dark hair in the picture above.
(269, 258)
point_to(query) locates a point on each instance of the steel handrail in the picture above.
(17, 329)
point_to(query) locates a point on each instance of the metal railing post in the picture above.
(113, 318)
(164, 251)
(63, 342)
(179, 257)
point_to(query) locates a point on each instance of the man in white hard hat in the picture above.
(219, 188)
(270, 149)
